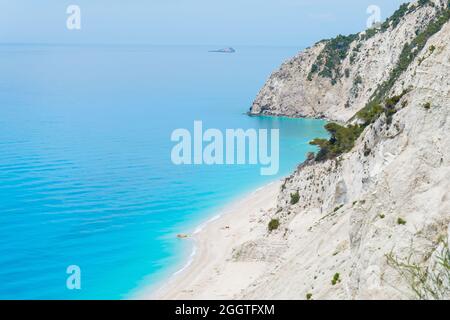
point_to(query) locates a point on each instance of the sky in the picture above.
(187, 22)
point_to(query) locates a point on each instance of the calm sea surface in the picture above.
(85, 171)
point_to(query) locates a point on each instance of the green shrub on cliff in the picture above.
(370, 112)
(410, 52)
(374, 109)
(357, 81)
(395, 19)
(336, 279)
(328, 62)
(342, 140)
(273, 224)
(295, 198)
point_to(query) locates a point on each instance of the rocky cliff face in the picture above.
(374, 219)
(335, 78)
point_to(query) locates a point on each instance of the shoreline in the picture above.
(293, 117)
(213, 244)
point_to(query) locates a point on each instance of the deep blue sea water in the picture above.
(85, 172)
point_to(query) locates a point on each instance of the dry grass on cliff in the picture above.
(427, 282)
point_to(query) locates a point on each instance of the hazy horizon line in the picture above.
(216, 46)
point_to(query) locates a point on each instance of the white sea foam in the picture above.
(189, 262)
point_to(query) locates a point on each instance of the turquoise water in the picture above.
(85, 172)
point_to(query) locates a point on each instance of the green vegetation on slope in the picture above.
(336, 279)
(295, 198)
(328, 62)
(343, 138)
(410, 52)
(394, 20)
(375, 108)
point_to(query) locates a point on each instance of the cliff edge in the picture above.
(335, 78)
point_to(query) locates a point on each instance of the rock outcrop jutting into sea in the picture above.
(367, 216)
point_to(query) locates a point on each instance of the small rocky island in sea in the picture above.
(225, 50)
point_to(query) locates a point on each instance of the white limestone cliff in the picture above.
(383, 203)
(368, 63)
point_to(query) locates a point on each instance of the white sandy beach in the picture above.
(212, 273)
